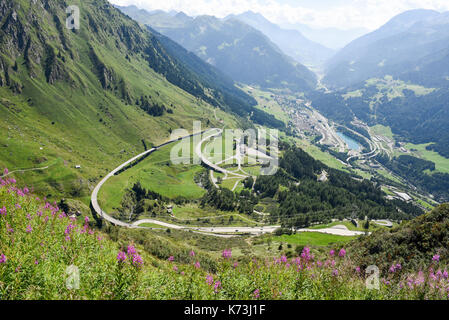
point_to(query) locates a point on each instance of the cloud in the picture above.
(348, 14)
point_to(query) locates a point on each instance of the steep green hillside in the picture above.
(91, 97)
(235, 99)
(413, 244)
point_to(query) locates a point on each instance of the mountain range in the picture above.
(290, 41)
(329, 37)
(412, 46)
(237, 49)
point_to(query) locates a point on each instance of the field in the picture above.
(313, 239)
(155, 173)
(265, 102)
(441, 163)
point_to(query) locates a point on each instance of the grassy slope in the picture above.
(64, 119)
(35, 253)
(313, 239)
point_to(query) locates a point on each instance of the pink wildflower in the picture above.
(217, 286)
(121, 257)
(256, 293)
(137, 260)
(131, 250)
(227, 253)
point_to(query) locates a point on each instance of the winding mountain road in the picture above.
(215, 231)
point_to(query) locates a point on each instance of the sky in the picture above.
(342, 14)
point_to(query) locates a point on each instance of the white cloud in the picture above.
(369, 14)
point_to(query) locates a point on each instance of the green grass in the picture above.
(313, 239)
(319, 155)
(441, 163)
(394, 88)
(64, 118)
(266, 103)
(152, 225)
(382, 131)
(349, 225)
(155, 173)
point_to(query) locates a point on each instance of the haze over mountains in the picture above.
(412, 46)
(237, 49)
(290, 41)
(332, 38)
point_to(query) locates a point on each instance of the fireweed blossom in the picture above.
(217, 286)
(121, 257)
(3, 211)
(436, 258)
(227, 253)
(342, 253)
(137, 260)
(29, 229)
(256, 293)
(332, 253)
(197, 265)
(392, 269)
(131, 250)
(209, 279)
(171, 258)
(192, 253)
(3, 258)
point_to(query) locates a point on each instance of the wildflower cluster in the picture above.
(131, 256)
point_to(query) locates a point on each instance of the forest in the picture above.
(420, 173)
(303, 201)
